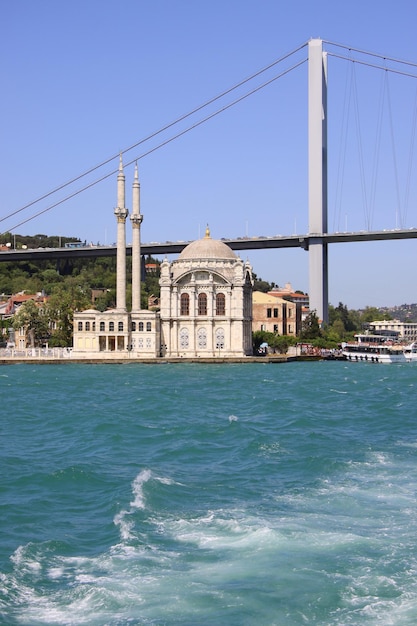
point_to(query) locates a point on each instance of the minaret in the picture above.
(136, 219)
(121, 214)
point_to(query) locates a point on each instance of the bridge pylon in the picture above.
(317, 178)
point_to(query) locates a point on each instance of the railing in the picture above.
(35, 353)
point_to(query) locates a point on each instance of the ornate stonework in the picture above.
(205, 302)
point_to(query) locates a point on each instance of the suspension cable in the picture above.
(342, 153)
(410, 159)
(156, 133)
(374, 65)
(398, 223)
(163, 143)
(378, 135)
(373, 54)
(360, 151)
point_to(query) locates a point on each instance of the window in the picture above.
(275, 328)
(269, 312)
(94, 326)
(220, 339)
(202, 304)
(87, 326)
(183, 338)
(202, 338)
(220, 304)
(80, 325)
(185, 304)
(148, 327)
(275, 312)
(141, 327)
(111, 327)
(133, 326)
(102, 326)
(120, 327)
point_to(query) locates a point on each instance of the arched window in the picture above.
(80, 325)
(202, 338)
(102, 326)
(219, 338)
(94, 326)
(184, 343)
(141, 327)
(111, 327)
(133, 326)
(87, 326)
(202, 304)
(185, 304)
(148, 327)
(220, 304)
(120, 327)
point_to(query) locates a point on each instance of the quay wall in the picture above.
(65, 355)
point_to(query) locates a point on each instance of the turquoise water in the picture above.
(208, 494)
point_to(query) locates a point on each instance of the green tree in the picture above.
(310, 328)
(65, 299)
(261, 285)
(337, 330)
(30, 317)
(371, 314)
(259, 337)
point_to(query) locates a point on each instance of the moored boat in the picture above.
(375, 349)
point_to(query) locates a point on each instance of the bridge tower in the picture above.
(317, 174)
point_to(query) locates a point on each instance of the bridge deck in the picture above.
(247, 243)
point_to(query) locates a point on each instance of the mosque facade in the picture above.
(205, 301)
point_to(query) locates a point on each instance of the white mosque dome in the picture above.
(207, 248)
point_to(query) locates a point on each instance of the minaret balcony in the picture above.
(121, 213)
(136, 219)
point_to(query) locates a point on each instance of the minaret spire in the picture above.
(136, 219)
(121, 214)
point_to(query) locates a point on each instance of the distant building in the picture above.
(287, 293)
(19, 338)
(14, 302)
(407, 330)
(275, 315)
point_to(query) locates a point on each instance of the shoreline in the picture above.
(162, 360)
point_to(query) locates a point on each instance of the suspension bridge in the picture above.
(317, 239)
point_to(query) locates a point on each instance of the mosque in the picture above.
(205, 301)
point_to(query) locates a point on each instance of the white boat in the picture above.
(375, 349)
(410, 352)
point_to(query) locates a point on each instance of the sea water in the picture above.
(267, 494)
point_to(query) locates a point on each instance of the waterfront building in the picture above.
(205, 301)
(19, 338)
(407, 331)
(275, 315)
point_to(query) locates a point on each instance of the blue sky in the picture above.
(84, 80)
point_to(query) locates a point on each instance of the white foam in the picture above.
(123, 518)
(137, 487)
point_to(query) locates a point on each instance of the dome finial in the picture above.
(207, 235)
